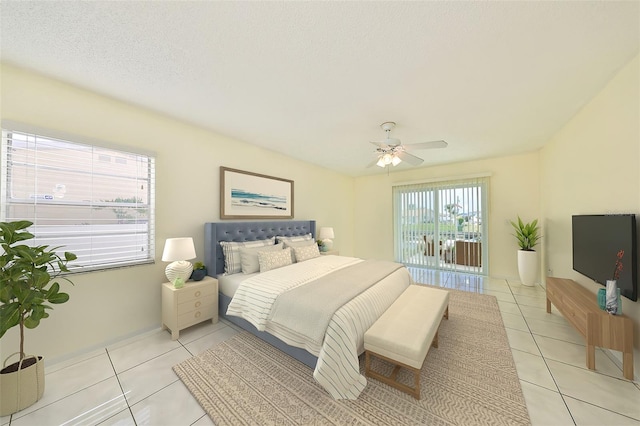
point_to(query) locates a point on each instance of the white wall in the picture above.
(591, 166)
(106, 306)
(513, 190)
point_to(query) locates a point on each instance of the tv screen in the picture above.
(596, 242)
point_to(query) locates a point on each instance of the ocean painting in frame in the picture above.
(246, 195)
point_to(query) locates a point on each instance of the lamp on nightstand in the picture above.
(178, 251)
(326, 236)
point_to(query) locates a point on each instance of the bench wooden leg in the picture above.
(391, 379)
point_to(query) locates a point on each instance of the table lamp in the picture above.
(326, 236)
(178, 251)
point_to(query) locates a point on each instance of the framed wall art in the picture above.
(247, 195)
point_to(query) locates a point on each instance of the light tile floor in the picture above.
(132, 383)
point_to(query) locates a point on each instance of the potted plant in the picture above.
(527, 236)
(27, 286)
(199, 271)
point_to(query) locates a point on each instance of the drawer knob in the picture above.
(198, 293)
(198, 314)
(198, 303)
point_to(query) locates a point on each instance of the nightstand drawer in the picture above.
(198, 303)
(198, 291)
(194, 317)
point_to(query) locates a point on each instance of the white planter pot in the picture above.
(528, 267)
(22, 388)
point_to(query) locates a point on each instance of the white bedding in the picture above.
(337, 369)
(228, 284)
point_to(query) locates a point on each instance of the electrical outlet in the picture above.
(549, 272)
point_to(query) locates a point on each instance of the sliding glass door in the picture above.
(443, 224)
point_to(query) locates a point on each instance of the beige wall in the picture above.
(105, 306)
(591, 166)
(513, 190)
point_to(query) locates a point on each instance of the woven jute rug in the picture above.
(470, 379)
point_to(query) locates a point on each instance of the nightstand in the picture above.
(334, 252)
(194, 303)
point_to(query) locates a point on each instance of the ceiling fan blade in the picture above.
(426, 145)
(380, 144)
(409, 158)
(387, 142)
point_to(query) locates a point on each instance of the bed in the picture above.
(335, 364)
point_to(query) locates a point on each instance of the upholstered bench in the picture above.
(405, 332)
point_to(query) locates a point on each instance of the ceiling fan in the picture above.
(392, 151)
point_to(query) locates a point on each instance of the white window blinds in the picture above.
(93, 201)
(442, 224)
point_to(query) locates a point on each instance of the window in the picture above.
(94, 201)
(443, 224)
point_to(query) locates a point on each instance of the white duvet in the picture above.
(337, 369)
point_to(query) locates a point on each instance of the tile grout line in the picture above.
(542, 355)
(121, 388)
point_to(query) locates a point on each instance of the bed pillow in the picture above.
(249, 257)
(306, 252)
(305, 237)
(231, 250)
(294, 244)
(274, 259)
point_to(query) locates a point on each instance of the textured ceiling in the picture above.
(315, 80)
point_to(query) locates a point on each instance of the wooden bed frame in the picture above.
(214, 232)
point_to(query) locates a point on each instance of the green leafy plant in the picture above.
(28, 279)
(526, 234)
(198, 265)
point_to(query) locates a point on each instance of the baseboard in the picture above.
(65, 360)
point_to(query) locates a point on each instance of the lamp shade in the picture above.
(178, 249)
(326, 233)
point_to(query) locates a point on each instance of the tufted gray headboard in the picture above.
(214, 232)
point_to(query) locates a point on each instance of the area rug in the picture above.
(470, 379)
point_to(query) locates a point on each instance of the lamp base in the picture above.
(327, 244)
(179, 269)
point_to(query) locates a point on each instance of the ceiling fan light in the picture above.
(387, 159)
(380, 162)
(396, 160)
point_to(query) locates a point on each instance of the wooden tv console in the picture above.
(580, 307)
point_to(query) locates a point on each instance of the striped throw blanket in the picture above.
(306, 310)
(337, 369)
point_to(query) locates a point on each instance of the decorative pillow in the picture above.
(231, 250)
(305, 237)
(306, 252)
(274, 259)
(294, 244)
(249, 257)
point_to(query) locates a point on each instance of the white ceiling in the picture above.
(315, 80)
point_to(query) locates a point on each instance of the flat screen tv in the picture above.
(596, 242)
